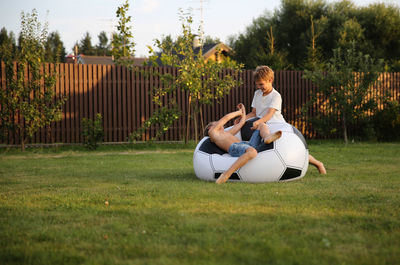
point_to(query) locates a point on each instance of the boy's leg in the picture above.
(266, 135)
(241, 161)
(255, 139)
(318, 164)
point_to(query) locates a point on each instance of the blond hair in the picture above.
(263, 73)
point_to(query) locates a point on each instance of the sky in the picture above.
(152, 19)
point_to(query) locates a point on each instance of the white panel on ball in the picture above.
(202, 166)
(220, 163)
(266, 167)
(291, 149)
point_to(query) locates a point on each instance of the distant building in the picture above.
(217, 52)
(90, 59)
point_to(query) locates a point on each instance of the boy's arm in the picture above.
(264, 119)
(251, 114)
(238, 125)
(221, 122)
(248, 116)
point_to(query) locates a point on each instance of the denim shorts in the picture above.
(238, 149)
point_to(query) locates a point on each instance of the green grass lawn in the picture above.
(53, 210)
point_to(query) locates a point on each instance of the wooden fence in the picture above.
(123, 98)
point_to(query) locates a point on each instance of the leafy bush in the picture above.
(344, 86)
(92, 132)
(163, 117)
(387, 122)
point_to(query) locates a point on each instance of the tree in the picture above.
(381, 24)
(103, 47)
(349, 31)
(85, 46)
(28, 103)
(314, 59)
(375, 29)
(343, 89)
(8, 46)
(210, 40)
(250, 48)
(203, 81)
(54, 49)
(123, 46)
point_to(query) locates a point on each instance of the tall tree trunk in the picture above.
(344, 128)
(22, 139)
(188, 119)
(201, 118)
(196, 134)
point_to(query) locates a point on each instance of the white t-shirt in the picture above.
(263, 103)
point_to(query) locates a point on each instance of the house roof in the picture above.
(207, 51)
(86, 59)
(105, 60)
(212, 48)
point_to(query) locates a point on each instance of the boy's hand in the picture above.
(255, 124)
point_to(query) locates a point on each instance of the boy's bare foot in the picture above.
(222, 178)
(272, 137)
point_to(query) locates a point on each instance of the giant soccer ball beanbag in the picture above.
(286, 159)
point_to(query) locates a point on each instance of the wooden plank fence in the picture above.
(123, 98)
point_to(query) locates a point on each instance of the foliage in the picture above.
(103, 47)
(203, 81)
(92, 131)
(29, 104)
(53, 46)
(54, 49)
(375, 29)
(85, 46)
(8, 45)
(342, 91)
(387, 122)
(314, 59)
(163, 118)
(123, 46)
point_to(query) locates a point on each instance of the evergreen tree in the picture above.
(85, 46)
(103, 47)
(7, 45)
(54, 49)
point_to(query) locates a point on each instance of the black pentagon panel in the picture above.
(234, 176)
(290, 173)
(300, 135)
(210, 148)
(245, 131)
(265, 147)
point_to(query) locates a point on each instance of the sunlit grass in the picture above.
(53, 209)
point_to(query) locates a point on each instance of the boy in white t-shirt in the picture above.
(267, 105)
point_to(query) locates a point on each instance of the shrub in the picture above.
(92, 132)
(387, 122)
